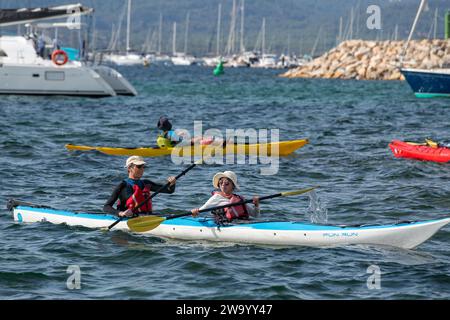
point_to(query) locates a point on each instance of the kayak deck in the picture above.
(282, 148)
(292, 233)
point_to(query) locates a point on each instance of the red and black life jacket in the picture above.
(140, 193)
(235, 212)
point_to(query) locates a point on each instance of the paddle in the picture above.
(428, 143)
(158, 191)
(143, 224)
(12, 203)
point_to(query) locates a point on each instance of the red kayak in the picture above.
(412, 150)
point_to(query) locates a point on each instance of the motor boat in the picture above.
(428, 83)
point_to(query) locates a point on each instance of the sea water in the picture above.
(349, 125)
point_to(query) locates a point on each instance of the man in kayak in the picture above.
(226, 182)
(133, 191)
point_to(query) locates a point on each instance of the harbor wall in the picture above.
(374, 60)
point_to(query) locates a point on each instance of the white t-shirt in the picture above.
(218, 200)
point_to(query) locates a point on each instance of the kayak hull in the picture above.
(278, 233)
(407, 150)
(282, 148)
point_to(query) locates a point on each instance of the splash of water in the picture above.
(317, 212)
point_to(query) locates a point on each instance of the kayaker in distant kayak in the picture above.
(226, 182)
(168, 138)
(132, 191)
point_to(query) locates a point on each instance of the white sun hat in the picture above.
(136, 160)
(227, 174)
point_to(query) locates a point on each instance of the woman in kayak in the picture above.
(133, 191)
(226, 182)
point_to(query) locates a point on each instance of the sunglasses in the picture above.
(224, 182)
(140, 166)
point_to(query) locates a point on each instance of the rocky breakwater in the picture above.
(374, 60)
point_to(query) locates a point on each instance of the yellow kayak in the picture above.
(270, 149)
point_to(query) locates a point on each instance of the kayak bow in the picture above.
(418, 151)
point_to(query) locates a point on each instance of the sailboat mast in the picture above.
(128, 25)
(435, 24)
(231, 36)
(186, 32)
(422, 4)
(313, 51)
(351, 24)
(263, 32)
(340, 31)
(160, 33)
(242, 48)
(219, 18)
(174, 39)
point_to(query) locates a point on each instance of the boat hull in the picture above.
(404, 235)
(51, 80)
(428, 83)
(283, 148)
(115, 79)
(406, 150)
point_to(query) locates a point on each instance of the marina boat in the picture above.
(236, 61)
(129, 58)
(266, 61)
(23, 71)
(283, 148)
(181, 59)
(211, 61)
(428, 83)
(159, 59)
(419, 151)
(405, 235)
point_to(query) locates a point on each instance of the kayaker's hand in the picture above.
(256, 201)
(126, 213)
(172, 180)
(195, 212)
(181, 133)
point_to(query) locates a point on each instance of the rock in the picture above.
(361, 71)
(394, 75)
(339, 74)
(357, 59)
(361, 53)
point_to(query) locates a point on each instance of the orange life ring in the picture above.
(57, 53)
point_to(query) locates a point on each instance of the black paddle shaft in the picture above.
(225, 206)
(154, 194)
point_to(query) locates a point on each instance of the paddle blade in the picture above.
(431, 143)
(144, 224)
(297, 192)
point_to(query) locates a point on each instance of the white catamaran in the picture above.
(24, 71)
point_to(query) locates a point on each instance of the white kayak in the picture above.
(406, 235)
